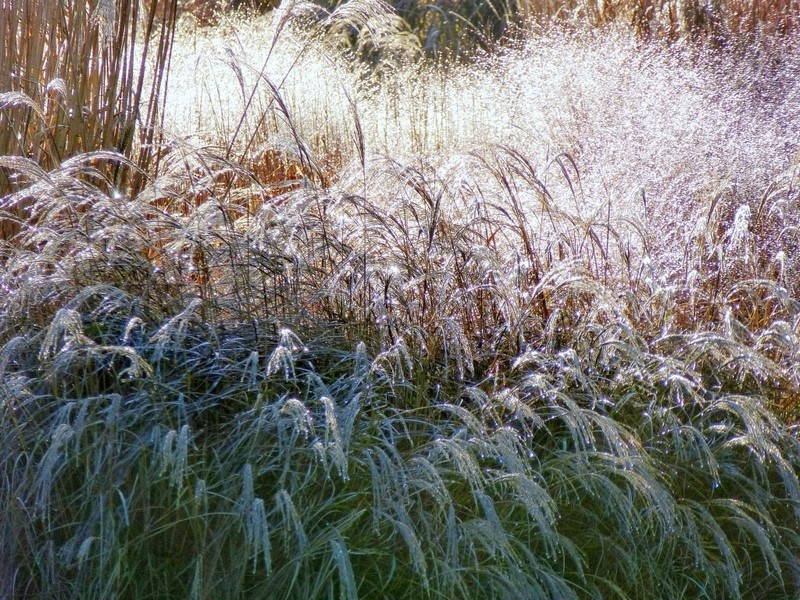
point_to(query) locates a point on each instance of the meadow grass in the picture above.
(524, 330)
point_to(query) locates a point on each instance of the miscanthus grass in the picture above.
(425, 393)
(72, 78)
(279, 371)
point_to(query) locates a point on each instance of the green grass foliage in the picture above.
(337, 397)
(291, 363)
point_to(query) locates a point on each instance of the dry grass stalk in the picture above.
(71, 79)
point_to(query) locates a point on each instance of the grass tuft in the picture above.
(442, 334)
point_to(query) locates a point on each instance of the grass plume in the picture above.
(72, 74)
(369, 339)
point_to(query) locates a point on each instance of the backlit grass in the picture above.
(527, 329)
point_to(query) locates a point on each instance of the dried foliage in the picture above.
(72, 79)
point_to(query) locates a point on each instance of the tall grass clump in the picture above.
(691, 118)
(72, 79)
(529, 345)
(431, 390)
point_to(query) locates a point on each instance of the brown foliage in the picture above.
(72, 80)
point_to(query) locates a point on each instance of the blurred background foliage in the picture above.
(460, 28)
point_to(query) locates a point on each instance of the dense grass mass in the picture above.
(338, 320)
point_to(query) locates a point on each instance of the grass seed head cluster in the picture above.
(529, 329)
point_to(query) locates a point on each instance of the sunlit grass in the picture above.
(527, 329)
